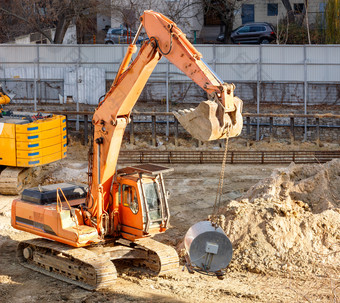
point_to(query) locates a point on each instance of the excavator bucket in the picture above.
(209, 121)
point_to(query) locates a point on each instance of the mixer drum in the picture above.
(208, 248)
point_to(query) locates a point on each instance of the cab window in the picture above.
(153, 201)
(129, 198)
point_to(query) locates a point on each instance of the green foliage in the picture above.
(332, 16)
(294, 33)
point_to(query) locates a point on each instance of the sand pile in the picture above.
(289, 221)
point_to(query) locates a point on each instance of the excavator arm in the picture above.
(213, 119)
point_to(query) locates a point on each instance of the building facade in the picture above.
(273, 10)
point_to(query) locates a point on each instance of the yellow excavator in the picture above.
(81, 230)
(27, 140)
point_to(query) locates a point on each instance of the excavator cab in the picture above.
(142, 200)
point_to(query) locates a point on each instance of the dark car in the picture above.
(121, 35)
(257, 32)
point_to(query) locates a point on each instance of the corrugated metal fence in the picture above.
(305, 75)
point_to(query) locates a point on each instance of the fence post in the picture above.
(35, 79)
(258, 91)
(292, 130)
(39, 77)
(132, 131)
(86, 117)
(153, 118)
(176, 132)
(271, 129)
(214, 57)
(305, 85)
(248, 131)
(318, 132)
(77, 87)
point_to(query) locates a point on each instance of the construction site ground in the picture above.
(254, 274)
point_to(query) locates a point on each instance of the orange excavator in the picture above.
(84, 230)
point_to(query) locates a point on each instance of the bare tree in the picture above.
(38, 15)
(307, 21)
(332, 14)
(181, 12)
(289, 9)
(224, 11)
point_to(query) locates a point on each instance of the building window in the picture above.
(298, 8)
(248, 14)
(272, 9)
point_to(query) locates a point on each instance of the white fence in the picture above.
(304, 75)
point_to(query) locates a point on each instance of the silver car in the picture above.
(121, 36)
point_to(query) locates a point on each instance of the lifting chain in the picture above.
(215, 218)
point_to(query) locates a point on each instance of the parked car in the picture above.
(257, 32)
(121, 36)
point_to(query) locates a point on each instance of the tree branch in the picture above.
(26, 21)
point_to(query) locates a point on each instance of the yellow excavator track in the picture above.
(92, 268)
(12, 180)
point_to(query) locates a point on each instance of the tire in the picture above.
(265, 41)
(109, 42)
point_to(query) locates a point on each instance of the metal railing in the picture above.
(233, 157)
(152, 120)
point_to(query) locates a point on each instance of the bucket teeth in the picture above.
(183, 111)
(202, 122)
(208, 121)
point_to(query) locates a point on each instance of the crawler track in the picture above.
(12, 180)
(162, 259)
(92, 268)
(77, 266)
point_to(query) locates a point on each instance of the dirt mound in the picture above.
(289, 221)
